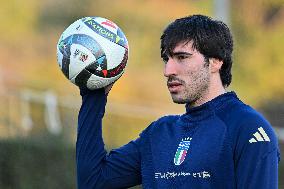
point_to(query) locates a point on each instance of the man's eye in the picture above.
(181, 57)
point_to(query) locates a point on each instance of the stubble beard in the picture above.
(195, 91)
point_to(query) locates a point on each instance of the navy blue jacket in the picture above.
(222, 144)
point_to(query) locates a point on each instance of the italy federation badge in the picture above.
(182, 151)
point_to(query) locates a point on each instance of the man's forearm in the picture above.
(90, 150)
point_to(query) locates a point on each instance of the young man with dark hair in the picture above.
(218, 143)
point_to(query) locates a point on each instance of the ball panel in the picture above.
(114, 53)
(123, 40)
(81, 39)
(98, 67)
(82, 78)
(59, 58)
(120, 68)
(80, 58)
(65, 66)
(95, 82)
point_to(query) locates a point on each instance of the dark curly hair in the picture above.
(210, 37)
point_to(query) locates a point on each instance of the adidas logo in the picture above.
(259, 136)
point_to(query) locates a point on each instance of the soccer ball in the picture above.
(92, 52)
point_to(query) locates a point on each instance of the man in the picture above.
(218, 143)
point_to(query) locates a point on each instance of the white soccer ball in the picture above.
(92, 52)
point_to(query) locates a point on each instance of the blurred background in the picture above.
(39, 106)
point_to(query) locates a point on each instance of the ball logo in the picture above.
(109, 23)
(99, 29)
(118, 38)
(82, 56)
(78, 28)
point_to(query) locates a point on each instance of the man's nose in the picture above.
(170, 68)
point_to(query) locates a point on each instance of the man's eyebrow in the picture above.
(181, 53)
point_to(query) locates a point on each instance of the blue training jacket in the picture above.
(222, 144)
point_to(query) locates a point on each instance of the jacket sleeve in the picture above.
(257, 155)
(95, 168)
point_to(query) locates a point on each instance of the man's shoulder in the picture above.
(238, 113)
(253, 124)
(162, 123)
(247, 125)
(165, 121)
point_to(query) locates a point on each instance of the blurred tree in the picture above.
(18, 20)
(259, 33)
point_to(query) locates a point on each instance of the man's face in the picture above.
(187, 73)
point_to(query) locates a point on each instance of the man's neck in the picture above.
(212, 92)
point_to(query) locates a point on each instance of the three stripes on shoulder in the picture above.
(259, 136)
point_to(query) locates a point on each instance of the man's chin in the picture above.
(179, 100)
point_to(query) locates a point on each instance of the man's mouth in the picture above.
(174, 86)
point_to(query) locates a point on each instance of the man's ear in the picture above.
(215, 64)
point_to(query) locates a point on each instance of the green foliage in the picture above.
(45, 162)
(41, 162)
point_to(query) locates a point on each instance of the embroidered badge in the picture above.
(182, 151)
